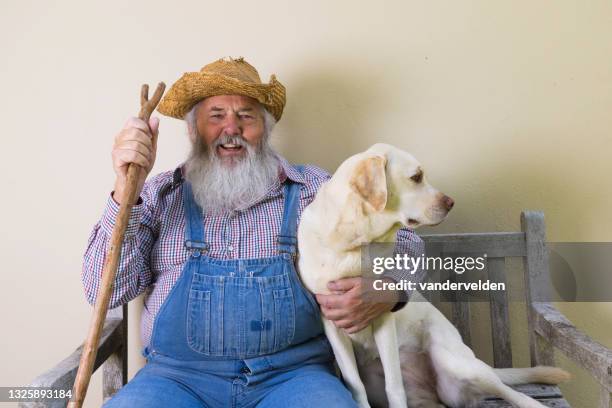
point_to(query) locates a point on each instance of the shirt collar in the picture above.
(287, 171)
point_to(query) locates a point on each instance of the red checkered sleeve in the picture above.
(134, 271)
(409, 243)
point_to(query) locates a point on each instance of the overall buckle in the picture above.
(196, 248)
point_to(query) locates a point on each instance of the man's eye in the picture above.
(245, 116)
(216, 116)
(417, 178)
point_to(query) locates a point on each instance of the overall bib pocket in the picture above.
(198, 320)
(240, 317)
(284, 318)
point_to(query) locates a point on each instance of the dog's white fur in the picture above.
(372, 195)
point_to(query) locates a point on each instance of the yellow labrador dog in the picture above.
(372, 195)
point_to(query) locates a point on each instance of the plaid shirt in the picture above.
(153, 253)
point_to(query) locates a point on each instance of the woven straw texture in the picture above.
(226, 76)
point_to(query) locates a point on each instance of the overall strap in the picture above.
(287, 239)
(194, 223)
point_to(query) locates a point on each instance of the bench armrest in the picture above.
(557, 330)
(63, 375)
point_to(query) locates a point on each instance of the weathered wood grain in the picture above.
(604, 398)
(114, 375)
(461, 312)
(500, 322)
(537, 281)
(548, 402)
(562, 334)
(536, 391)
(494, 244)
(62, 376)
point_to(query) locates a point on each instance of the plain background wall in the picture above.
(506, 103)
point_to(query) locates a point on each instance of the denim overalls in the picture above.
(232, 332)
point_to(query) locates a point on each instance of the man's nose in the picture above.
(232, 125)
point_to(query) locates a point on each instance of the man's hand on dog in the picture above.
(348, 306)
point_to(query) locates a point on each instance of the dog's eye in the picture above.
(418, 177)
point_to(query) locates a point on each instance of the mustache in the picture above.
(229, 139)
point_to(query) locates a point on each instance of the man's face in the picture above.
(231, 164)
(230, 115)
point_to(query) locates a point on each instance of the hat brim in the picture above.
(192, 87)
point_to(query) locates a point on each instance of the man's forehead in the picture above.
(223, 102)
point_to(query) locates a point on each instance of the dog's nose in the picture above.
(448, 202)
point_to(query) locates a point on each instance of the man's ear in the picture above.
(190, 131)
(370, 182)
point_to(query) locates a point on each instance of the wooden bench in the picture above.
(548, 328)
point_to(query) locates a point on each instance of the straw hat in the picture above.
(226, 76)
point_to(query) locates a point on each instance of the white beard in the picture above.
(226, 184)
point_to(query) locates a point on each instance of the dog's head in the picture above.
(390, 181)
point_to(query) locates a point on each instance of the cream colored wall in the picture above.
(506, 103)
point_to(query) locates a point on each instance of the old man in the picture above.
(212, 244)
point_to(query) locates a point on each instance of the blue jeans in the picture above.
(162, 383)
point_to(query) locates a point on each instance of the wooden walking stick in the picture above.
(111, 262)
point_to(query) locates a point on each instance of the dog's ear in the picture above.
(370, 182)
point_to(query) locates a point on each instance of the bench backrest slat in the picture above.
(529, 244)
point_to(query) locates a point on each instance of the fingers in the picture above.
(356, 328)
(125, 155)
(348, 311)
(135, 143)
(133, 147)
(137, 123)
(335, 301)
(344, 284)
(335, 307)
(154, 126)
(334, 314)
(137, 130)
(352, 325)
(354, 321)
